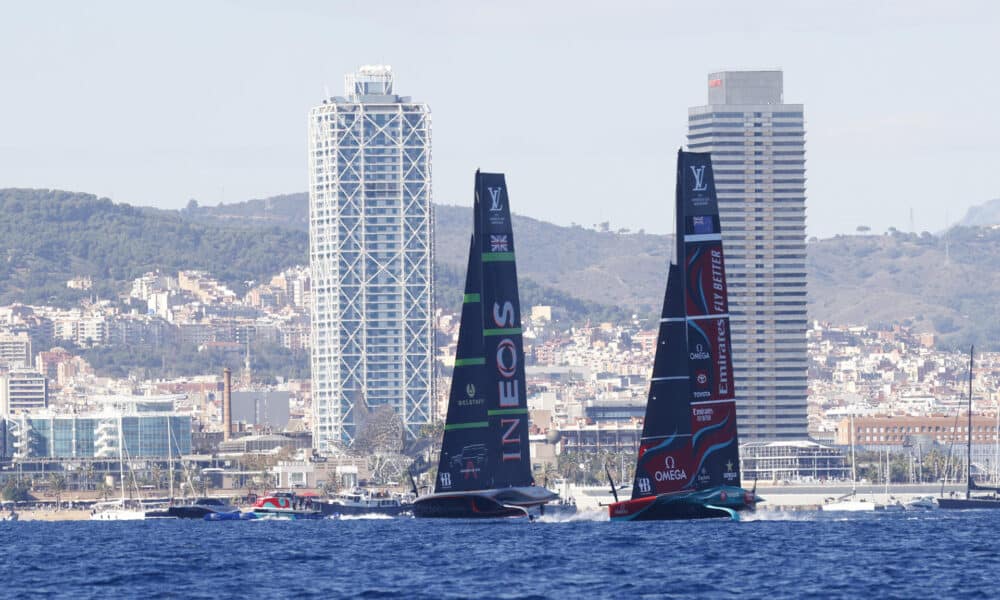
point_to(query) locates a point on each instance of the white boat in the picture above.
(849, 503)
(117, 510)
(892, 506)
(121, 509)
(923, 503)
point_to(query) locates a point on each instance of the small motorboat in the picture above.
(923, 503)
(285, 505)
(364, 501)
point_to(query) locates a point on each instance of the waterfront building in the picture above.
(897, 431)
(611, 436)
(370, 253)
(757, 143)
(23, 390)
(797, 460)
(143, 434)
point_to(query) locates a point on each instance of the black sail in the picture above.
(666, 430)
(714, 439)
(689, 438)
(465, 462)
(506, 396)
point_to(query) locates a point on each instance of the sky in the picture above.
(582, 104)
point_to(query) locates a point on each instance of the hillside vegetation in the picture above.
(50, 236)
(944, 284)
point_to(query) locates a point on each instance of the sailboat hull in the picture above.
(713, 503)
(963, 503)
(484, 504)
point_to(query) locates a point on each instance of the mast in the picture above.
(968, 458)
(170, 457)
(854, 462)
(121, 458)
(996, 449)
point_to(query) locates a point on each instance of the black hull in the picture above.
(465, 506)
(185, 512)
(962, 503)
(331, 508)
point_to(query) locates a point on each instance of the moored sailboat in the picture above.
(688, 463)
(485, 465)
(970, 501)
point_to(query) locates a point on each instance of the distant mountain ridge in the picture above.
(945, 284)
(983, 215)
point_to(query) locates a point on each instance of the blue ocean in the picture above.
(940, 554)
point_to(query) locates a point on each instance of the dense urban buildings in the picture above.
(371, 257)
(757, 143)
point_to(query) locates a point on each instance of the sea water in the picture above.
(940, 554)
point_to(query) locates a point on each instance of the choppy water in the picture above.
(906, 555)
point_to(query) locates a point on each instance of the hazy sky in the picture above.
(583, 105)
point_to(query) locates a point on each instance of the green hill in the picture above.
(943, 284)
(50, 236)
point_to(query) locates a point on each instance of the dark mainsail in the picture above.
(688, 464)
(666, 430)
(485, 467)
(714, 442)
(464, 456)
(506, 400)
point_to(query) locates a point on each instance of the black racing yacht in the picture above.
(485, 465)
(196, 509)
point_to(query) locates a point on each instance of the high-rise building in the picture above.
(758, 155)
(370, 251)
(23, 390)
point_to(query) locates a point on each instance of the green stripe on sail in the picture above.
(469, 362)
(470, 298)
(473, 425)
(498, 257)
(508, 411)
(508, 331)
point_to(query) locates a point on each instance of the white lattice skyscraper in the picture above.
(370, 249)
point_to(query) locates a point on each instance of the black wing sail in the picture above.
(506, 400)
(664, 450)
(464, 461)
(714, 439)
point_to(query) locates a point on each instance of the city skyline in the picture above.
(886, 108)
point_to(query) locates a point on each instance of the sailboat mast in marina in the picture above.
(485, 465)
(970, 501)
(688, 465)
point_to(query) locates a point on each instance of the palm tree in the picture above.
(57, 483)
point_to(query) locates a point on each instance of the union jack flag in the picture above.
(499, 243)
